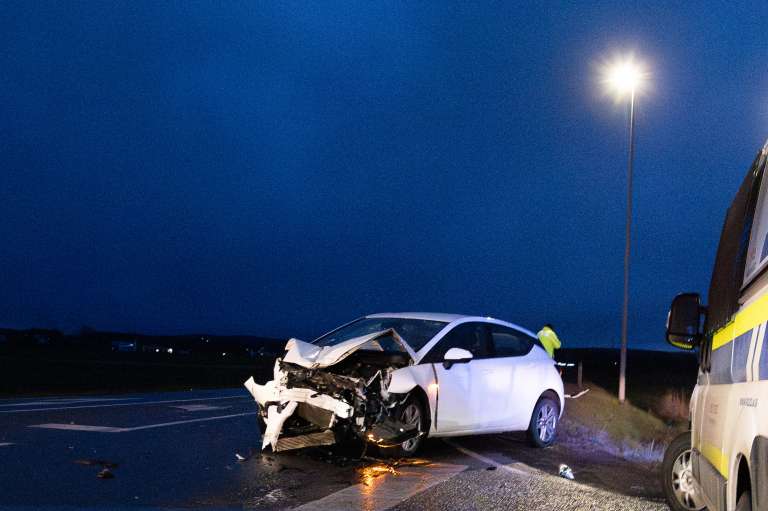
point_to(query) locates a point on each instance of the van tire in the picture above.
(745, 502)
(676, 467)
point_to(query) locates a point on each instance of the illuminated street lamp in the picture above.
(623, 78)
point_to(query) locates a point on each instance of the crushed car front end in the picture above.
(322, 395)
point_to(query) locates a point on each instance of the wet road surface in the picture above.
(179, 450)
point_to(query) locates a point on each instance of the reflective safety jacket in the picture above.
(549, 340)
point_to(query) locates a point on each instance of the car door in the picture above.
(512, 378)
(461, 395)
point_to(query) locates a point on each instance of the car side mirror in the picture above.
(456, 356)
(684, 321)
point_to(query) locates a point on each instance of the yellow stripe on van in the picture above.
(746, 319)
(716, 457)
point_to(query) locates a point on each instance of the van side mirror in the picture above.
(456, 356)
(684, 321)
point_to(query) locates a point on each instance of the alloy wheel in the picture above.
(412, 417)
(546, 422)
(683, 484)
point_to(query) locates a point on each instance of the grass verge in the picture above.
(598, 421)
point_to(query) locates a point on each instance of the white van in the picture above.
(722, 463)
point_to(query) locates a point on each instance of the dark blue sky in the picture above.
(279, 168)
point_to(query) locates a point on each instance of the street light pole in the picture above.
(622, 77)
(627, 246)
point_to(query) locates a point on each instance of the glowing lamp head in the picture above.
(624, 76)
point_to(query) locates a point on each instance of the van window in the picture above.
(763, 375)
(728, 274)
(729, 362)
(757, 254)
(720, 360)
(740, 357)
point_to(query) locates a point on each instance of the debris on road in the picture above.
(239, 457)
(106, 467)
(576, 396)
(565, 472)
(101, 463)
(105, 474)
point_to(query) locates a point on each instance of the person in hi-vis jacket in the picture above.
(549, 339)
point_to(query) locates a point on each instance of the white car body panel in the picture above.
(482, 389)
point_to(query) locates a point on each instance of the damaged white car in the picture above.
(394, 379)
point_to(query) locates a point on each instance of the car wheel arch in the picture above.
(421, 395)
(551, 393)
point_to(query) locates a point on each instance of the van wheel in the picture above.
(677, 476)
(745, 502)
(542, 429)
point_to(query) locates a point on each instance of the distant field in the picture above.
(36, 375)
(651, 375)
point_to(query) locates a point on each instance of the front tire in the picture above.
(677, 476)
(542, 430)
(412, 412)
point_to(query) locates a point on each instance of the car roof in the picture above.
(448, 318)
(429, 316)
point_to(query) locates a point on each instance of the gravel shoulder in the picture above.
(481, 489)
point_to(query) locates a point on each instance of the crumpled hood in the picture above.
(312, 356)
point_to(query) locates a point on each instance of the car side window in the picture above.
(472, 337)
(508, 342)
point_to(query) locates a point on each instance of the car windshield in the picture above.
(416, 332)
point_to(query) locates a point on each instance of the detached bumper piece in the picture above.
(311, 440)
(392, 433)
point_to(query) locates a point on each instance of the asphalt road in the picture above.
(179, 450)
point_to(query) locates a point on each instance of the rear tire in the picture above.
(542, 430)
(677, 476)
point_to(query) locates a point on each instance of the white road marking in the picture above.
(136, 403)
(78, 427)
(68, 401)
(6, 444)
(387, 490)
(164, 424)
(489, 461)
(109, 429)
(199, 408)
